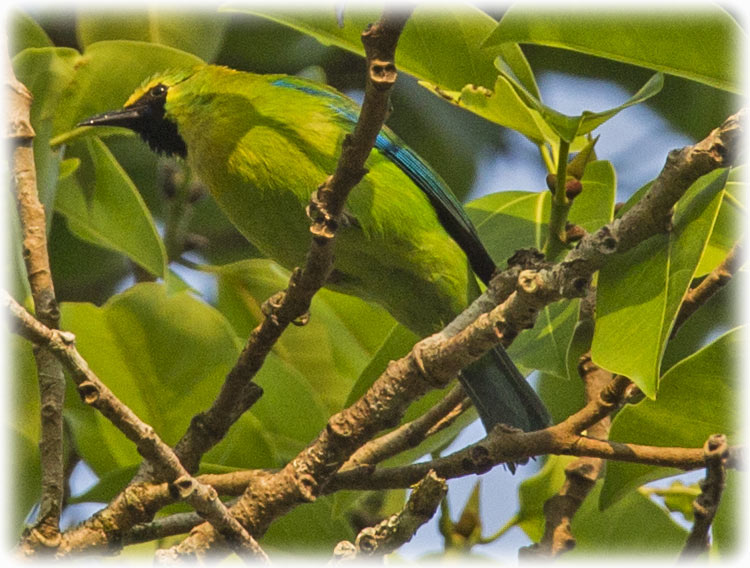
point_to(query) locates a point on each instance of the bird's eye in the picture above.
(158, 90)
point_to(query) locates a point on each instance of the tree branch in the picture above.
(501, 446)
(49, 371)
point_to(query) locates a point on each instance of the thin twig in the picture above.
(712, 283)
(411, 434)
(706, 504)
(399, 528)
(21, 134)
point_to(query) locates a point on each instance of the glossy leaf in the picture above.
(633, 526)
(442, 48)
(595, 205)
(702, 44)
(568, 127)
(562, 398)
(728, 226)
(314, 528)
(24, 430)
(678, 498)
(639, 292)
(545, 347)
(697, 398)
(103, 207)
(726, 531)
(510, 220)
(46, 72)
(199, 33)
(166, 358)
(718, 315)
(502, 105)
(397, 344)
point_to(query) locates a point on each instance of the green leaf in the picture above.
(639, 292)
(103, 207)
(163, 356)
(568, 127)
(398, 343)
(728, 226)
(314, 529)
(698, 397)
(702, 45)
(17, 281)
(24, 431)
(166, 357)
(45, 72)
(595, 205)
(510, 220)
(562, 398)
(502, 106)
(713, 318)
(545, 346)
(678, 497)
(24, 32)
(442, 48)
(194, 32)
(634, 526)
(726, 530)
(580, 343)
(330, 351)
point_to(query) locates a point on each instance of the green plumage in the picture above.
(263, 143)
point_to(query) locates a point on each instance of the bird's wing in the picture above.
(449, 210)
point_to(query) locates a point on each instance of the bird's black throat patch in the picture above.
(154, 127)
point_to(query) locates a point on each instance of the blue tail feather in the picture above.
(501, 394)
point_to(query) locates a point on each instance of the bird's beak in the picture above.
(128, 117)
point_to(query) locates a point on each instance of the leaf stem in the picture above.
(560, 205)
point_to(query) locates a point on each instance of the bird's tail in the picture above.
(502, 395)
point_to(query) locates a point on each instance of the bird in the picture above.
(262, 143)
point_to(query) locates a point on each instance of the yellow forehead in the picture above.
(143, 89)
(168, 78)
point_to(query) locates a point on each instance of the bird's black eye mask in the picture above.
(146, 116)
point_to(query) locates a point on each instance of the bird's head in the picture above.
(145, 113)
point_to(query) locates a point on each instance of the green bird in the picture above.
(263, 143)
